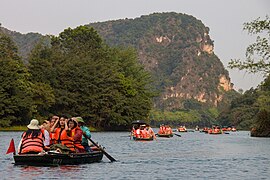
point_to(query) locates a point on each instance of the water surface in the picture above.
(195, 155)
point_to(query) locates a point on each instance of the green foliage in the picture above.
(24, 42)
(15, 88)
(168, 46)
(191, 118)
(77, 73)
(192, 104)
(8, 49)
(252, 108)
(241, 112)
(258, 53)
(82, 76)
(213, 112)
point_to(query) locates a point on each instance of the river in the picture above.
(195, 155)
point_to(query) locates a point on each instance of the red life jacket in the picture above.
(30, 144)
(62, 138)
(78, 142)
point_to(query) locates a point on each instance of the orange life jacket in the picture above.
(30, 144)
(53, 138)
(161, 130)
(62, 138)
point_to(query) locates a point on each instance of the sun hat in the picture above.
(80, 119)
(33, 124)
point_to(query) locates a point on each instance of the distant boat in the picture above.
(182, 129)
(141, 132)
(226, 128)
(233, 129)
(215, 130)
(165, 131)
(205, 130)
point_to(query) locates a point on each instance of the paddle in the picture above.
(104, 152)
(177, 135)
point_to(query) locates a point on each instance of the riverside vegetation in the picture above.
(160, 68)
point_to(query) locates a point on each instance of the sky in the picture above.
(225, 19)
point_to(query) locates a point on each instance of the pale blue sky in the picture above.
(225, 19)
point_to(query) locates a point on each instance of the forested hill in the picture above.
(177, 50)
(24, 42)
(174, 47)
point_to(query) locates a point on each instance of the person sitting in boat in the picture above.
(144, 132)
(61, 134)
(76, 134)
(168, 129)
(161, 129)
(32, 141)
(138, 133)
(46, 128)
(150, 131)
(86, 134)
(53, 124)
(133, 131)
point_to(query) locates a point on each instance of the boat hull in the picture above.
(165, 135)
(55, 159)
(143, 139)
(219, 132)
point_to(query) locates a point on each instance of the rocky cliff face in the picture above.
(177, 50)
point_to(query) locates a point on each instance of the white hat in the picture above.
(33, 124)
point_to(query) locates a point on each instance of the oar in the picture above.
(104, 152)
(177, 135)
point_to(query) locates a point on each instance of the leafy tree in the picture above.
(15, 89)
(90, 79)
(257, 60)
(258, 53)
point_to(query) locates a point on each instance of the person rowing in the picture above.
(86, 134)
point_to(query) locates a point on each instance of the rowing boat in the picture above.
(55, 159)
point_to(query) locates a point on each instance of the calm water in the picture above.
(194, 155)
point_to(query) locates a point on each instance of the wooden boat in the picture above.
(226, 128)
(216, 130)
(233, 129)
(165, 135)
(55, 159)
(143, 134)
(165, 131)
(205, 130)
(182, 129)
